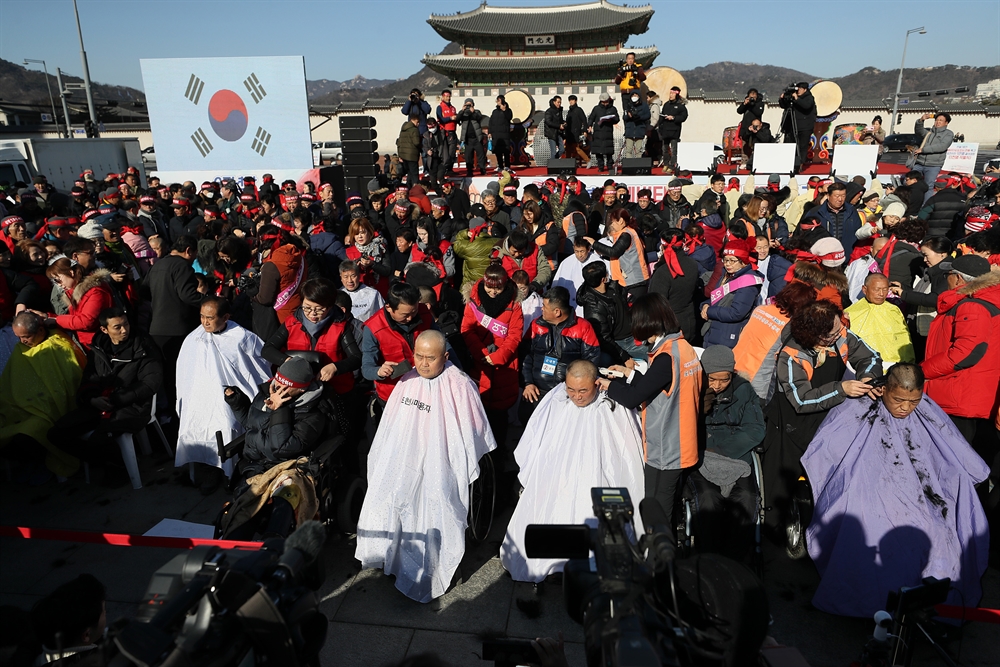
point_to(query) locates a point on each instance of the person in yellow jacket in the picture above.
(880, 323)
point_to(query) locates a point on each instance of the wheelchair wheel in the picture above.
(482, 500)
(350, 498)
(801, 515)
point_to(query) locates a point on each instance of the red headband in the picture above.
(282, 380)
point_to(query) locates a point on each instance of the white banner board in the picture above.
(695, 156)
(228, 114)
(961, 158)
(773, 158)
(850, 160)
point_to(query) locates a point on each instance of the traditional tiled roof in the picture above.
(729, 96)
(917, 106)
(961, 108)
(561, 20)
(863, 104)
(460, 63)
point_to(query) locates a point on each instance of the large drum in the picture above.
(828, 97)
(662, 79)
(521, 104)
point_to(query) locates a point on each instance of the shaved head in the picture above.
(583, 369)
(430, 354)
(581, 383)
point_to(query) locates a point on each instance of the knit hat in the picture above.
(828, 251)
(295, 372)
(971, 265)
(373, 185)
(979, 218)
(476, 223)
(871, 194)
(741, 249)
(605, 97)
(91, 230)
(510, 190)
(896, 208)
(354, 198)
(718, 359)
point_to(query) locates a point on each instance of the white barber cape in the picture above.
(564, 452)
(425, 455)
(207, 363)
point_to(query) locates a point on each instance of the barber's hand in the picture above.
(531, 394)
(327, 372)
(19, 308)
(102, 403)
(551, 652)
(855, 388)
(875, 393)
(602, 383)
(630, 364)
(625, 370)
(386, 369)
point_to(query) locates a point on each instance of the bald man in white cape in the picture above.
(425, 455)
(577, 439)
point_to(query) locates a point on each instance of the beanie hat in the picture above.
(871, 194)
(510, 190)
(373, 185)
(718, 359)
(421, 274)
(980, 219)
(476, 223)
(828, 251)
(89, 213)
(295, 372)
(971, 265)
(91, 230)
(896, 208)
(605, 97)
(741, 249)
(354, 198)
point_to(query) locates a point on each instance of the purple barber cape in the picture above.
(894, 502)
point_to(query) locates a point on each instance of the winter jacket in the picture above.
(498, 381)
(475, 254)
(608, 314)
(174, 296)
(715, 230)
(637, 120)
(553, 119)
(408, 143)
(437, 144)
(795, 371)
(671, 129)
(905, 263)
(775, 228)
(421, 107)
(535, 265)
(675, 211)
(500, 123)
(566, 342)
(706, 258)
(962, 359)
(470, 125)
(751, 112)
(917, 193)
(842, 225)
(603, 140)
(329, 244)
(132, 372)
(275, 436)
(934, 150)
(735, 424)
(803, 113)
(681, 291)
(282, 270)
(945, 213)
(91, 295)
(727, 318)
(17, 289)
(576, 122)
(335, 344)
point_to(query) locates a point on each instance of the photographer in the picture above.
(636, 124)
(673, 113)
(416, 104)
(758, 133)
(500, 133)
(554, 126)
(470, 132)
(629, 77)
(752, 109)
(797, 125)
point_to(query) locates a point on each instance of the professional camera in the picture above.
(641, 606)
(249, 281)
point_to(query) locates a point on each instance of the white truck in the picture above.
(61, 161)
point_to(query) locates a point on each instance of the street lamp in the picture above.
(899, 82)
(86, 68)
(55, 117)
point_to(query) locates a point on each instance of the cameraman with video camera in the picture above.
(798, 121)
(629, 77)
(416, 104)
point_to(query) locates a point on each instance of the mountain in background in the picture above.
(27, 86)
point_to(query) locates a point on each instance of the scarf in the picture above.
(375, 249)
(670, 257)
(494, 307)
(314, 328)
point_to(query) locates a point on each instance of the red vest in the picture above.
(528, 264)
(327, 345)
(448, 114)
(392, 345)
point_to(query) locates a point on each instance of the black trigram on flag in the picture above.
(253, 86)
(195, 86)
(203, 144)
(260, 141)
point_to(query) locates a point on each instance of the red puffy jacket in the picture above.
(92, 295)
(498, 382)
(962, 363)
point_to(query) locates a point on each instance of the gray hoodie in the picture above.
(933, 152)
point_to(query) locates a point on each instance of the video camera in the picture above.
(216, 608)
(638, 605)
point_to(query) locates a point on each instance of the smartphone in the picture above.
(401, 369)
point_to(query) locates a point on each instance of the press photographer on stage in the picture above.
(797, 123)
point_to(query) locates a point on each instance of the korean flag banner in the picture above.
(228, 114)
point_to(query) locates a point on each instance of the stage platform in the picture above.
(884, 169)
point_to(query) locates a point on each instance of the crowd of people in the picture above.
(665, 346)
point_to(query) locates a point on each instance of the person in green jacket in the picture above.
(475, 247)
(408, 148)
(725, 481)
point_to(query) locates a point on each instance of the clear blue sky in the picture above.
(385, 39)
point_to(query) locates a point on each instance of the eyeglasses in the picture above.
(314, 311)
(731, 260)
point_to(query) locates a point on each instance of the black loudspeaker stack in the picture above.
(357, 137)
(563, 166)
(637, 166)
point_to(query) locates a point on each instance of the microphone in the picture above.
(659, 533)
(302, 548)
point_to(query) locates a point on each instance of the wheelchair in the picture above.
(686, 516)
(482, 499)
(340, 491)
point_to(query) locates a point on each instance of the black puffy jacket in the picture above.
(945, 213)
(132, 372)
(276, 436)
(609, 316)
(673, 211)
(603, 140)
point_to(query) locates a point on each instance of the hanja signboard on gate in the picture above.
(229, 114)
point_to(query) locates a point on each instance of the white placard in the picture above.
(850, 160)
(228, 114)
(961, 158)
(695, 156)
(773, 158)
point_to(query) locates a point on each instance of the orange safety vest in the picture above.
(635, 265)
(759, 344)
(674, 415)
